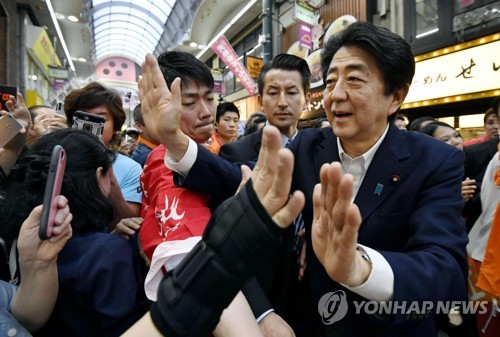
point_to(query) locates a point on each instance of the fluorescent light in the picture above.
(82, 59)
(193, 44)
(236, 18)
(59, 34)
(72, 18)
(430, 32)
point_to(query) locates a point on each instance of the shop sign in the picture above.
(43, 49)
(254, 65)
(315, 107)
(304, 13)
(218, 88)
(226, 53)
(305, 36)
(470, 70)
(58, 72)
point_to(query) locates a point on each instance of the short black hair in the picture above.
(138, 114)
(431, 128)
(392, 54)
(286, 62)
(253, 122)
(191, 71)
(415, 124)
(487, 114)
(226, 106)
(91, 96)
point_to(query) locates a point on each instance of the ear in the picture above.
(398, 97)
(308, 99)
(259, 99)
(103, 180)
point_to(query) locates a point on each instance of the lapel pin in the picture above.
(395, 179)
(378, 189)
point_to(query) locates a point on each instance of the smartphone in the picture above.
(52, 190)
(9, 127)
(60, 107)
(86, 121)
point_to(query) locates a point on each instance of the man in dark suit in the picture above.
(403, 239)
(283, 87)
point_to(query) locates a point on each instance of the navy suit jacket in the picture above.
(415, 223)
(244, 149)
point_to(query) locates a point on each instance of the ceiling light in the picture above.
(82, 59)
(59, 33)
(59, 16)
(193, 44)
(72, 18)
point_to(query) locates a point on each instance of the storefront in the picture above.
(456, 84)
(43, 68)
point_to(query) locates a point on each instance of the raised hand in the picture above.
(272, 177)
(161, 108)
(335, 227)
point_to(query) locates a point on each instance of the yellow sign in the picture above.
(44, 50)
(254, 65)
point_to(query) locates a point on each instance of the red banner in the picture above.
(226, 53)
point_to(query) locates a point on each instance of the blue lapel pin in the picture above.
(378, 189)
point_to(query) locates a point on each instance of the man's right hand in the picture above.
(162, 108)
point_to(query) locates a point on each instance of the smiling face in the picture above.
(283, 99)
(198, 112)
(449, 136)
(355, 102)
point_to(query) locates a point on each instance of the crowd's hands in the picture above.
(17, 108)
(468, 188)
(46, 122)
(128, 227)
(272, 178)
(162, 108)
(335, 227)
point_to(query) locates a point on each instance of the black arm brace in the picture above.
(191, 297)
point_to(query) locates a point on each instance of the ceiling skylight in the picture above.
(128, 28)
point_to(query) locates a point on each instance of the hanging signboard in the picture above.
(304, 13)
(226, 53)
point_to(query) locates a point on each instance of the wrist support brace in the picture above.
(191, 297)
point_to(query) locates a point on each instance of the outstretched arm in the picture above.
(162, 108)
(230, 250)
(10, 152)
(335, 227)
(33, 303)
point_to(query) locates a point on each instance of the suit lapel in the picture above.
(327, 152)
(384, 174)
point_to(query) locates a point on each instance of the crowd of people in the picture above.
(178, 226)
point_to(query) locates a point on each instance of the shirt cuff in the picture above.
(264, 315)
(184, 165)
(380, 283)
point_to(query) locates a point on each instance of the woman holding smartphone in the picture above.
(100, 291)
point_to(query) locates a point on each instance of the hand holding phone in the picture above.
(52, 191)
(9, 127)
